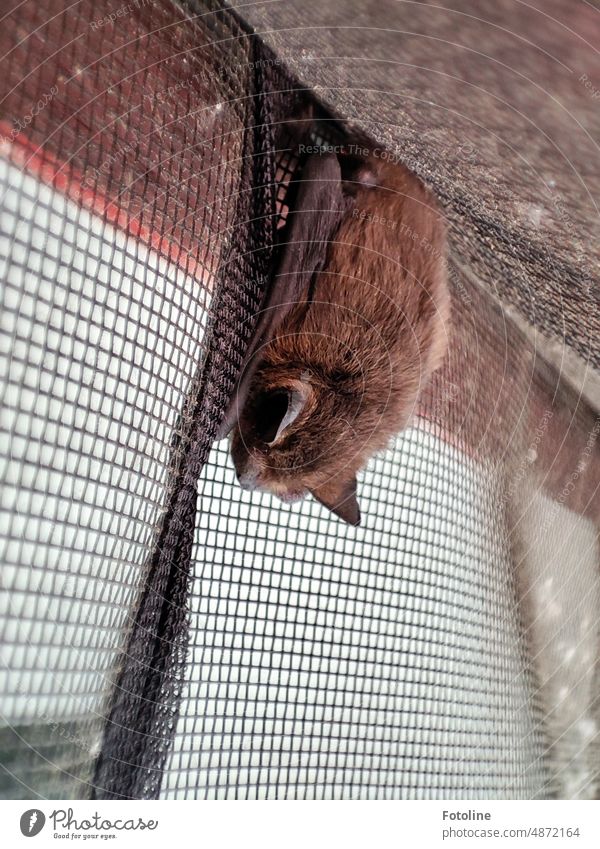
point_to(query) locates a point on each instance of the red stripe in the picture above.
(69, 181)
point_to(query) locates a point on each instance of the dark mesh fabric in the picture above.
(166, 634)
(147, 694)
(126, 202)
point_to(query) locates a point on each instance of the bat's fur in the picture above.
(357, 351)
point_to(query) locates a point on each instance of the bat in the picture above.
(354, 323)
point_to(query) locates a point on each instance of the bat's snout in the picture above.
(249, 478)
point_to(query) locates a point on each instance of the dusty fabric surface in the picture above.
(497, 106)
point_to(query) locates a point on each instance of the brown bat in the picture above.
(354, 324)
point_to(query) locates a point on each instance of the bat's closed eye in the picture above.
(274, 412)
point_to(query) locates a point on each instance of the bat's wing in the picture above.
(301, 254)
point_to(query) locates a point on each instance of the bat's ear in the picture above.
(339, 496)
(278, 410)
